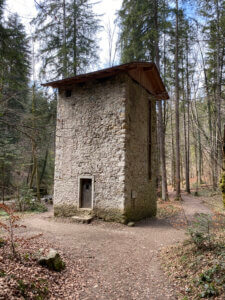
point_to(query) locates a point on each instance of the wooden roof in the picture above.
(145, 73)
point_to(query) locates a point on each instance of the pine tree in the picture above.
(13, 96)
(3, 44)
(187, 35)
(142, 24)
(138, 32)
(132, 35)
(66, 31)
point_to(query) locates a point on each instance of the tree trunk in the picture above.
(187, 184)
(178, 194)
(161, 130)
(34, 148)
(33, 166)
(215, 155)
(222, 182)
(209, 113)
(199, 157)
(162, 154)
(173, 163)
(223, 165)
(44, 166)
(186, 134)
(181, 170)
(3, 182)
(37, 181)
(196, 166)
(218, 90)
(187, 169)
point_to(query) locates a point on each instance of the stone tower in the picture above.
(105, 160)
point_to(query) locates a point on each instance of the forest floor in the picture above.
(113, 261)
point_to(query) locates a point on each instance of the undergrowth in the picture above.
(197, 266)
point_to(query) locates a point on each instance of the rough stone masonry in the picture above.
(103, 133)
(106, 143)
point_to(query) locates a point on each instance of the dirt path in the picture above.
(193, 205)
(121, 262)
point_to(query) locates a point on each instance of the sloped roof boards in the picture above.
(145, 73)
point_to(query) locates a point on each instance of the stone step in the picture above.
(84, 212)
(82, 219)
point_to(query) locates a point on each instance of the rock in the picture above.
(52, 261)
(131, 224)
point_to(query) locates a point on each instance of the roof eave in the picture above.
(139, 71)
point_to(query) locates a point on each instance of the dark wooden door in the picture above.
(86, 193)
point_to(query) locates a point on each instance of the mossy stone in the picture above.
(52, 261)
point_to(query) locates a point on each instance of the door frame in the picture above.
(80, 190)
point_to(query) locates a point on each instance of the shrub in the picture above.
(2, 273)
(37, 206)
(39, 289)
(27, 202)
(207, 281)
(209, 291)
(200, 231)
(9, 225)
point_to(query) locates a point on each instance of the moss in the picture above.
(141, 212)
(53, 262)
(111, 215)
(58, 265)
(144, 206)
(65, 210)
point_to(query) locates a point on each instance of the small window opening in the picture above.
(68, 93)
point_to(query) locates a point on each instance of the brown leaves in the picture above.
(185, 266)
(4, 226)
(172, 212)
(24, 278)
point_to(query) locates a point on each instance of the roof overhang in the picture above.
(145, 73)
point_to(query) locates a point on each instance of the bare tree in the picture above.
(113, 42)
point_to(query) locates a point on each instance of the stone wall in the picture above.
(90, 141)
(140, 190)
(102, 131)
